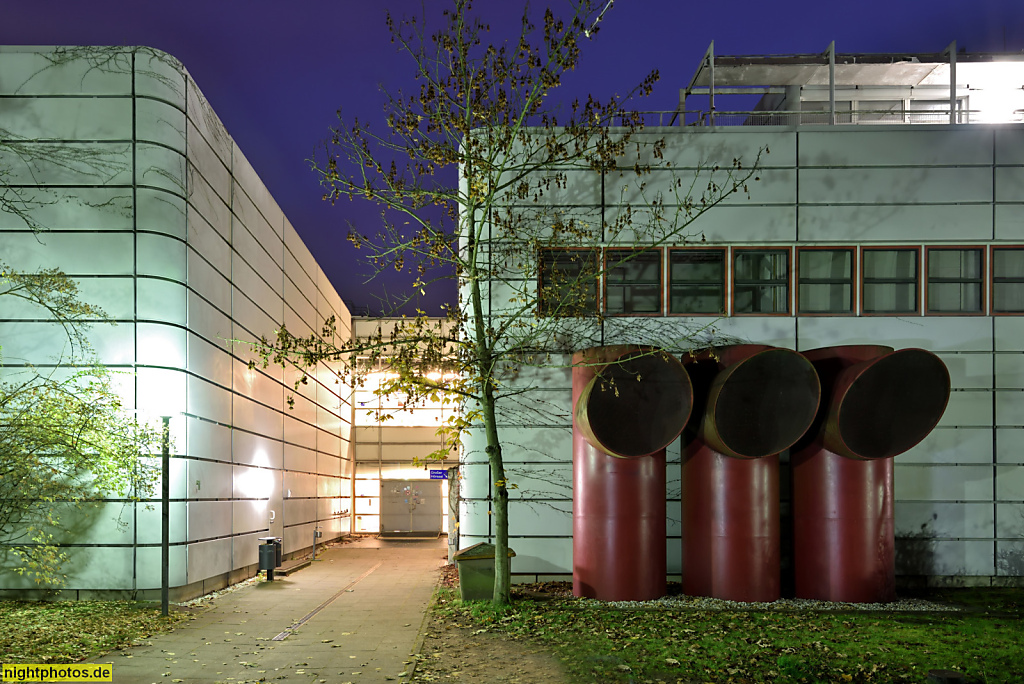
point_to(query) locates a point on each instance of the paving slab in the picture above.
(354, 615)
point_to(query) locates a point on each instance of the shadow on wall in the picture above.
(1010, 555)
(915, 555)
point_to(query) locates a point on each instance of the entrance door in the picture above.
(410, 508)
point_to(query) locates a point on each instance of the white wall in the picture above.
(960, 494)
(167, 226)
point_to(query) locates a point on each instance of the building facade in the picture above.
(146, 201)
(888, 208)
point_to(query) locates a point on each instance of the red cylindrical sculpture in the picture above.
(878, 403)
(759, 401)
(629, 404)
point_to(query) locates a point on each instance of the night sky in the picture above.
(276, 72)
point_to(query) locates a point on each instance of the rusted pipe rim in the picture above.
(762, 404)
(636, 405)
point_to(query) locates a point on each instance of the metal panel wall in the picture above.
(203, 254)
(958, 494)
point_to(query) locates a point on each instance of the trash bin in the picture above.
(270, 555)
(476, 571)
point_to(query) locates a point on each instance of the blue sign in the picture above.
(438, 474)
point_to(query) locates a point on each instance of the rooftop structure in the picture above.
(834, 88)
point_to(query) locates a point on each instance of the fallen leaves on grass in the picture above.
(610, 644)
(69, 631)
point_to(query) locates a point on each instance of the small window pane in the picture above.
(1009, 297)
(954, 263)
(831, 264)
(568, 282)
(954, 297)
(890, 298)
(762, 299)
(826, 281)
(890, 280)
(1008, 280)
(698, 267)
(755, 265)
(697, 283)
(954, 280)
(697, 299)
(1008, 263)
(761, 281)
(633, 281)
(890, 263)
(826, 298)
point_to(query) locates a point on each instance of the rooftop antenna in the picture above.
(593, 28)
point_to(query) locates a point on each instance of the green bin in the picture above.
(476, 571)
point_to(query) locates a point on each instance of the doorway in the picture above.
(410, 508)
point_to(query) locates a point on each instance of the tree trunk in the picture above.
(499, 502)
(499, 487)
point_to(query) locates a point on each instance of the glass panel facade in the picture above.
(697, 281)
(633, 281)
(761, 281)
(890, 281)
(826, 280)
(954, 280)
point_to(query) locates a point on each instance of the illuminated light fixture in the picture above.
(257, 482)
(996, 91)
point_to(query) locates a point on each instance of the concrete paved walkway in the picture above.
(286, 630)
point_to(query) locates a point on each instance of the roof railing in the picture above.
(805, 117)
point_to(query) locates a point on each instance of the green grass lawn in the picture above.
(69, 631)
(597, 644)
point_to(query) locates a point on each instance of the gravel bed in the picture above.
(706, 603)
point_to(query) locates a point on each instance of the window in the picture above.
(697, 281)
(890, 281)
(568, 282)
(761, 281)
(954, 280)
(816, 112)
(1008, 280)
(825, 284)
(880, 111)
(933, 111)
(632, 281)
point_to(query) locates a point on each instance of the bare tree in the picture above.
(518, 204)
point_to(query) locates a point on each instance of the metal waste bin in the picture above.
(476, 571)
(270, 555)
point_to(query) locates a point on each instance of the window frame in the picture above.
(738, 251)
(726, 278)
(540, 312)
(992, 279)
(606, 272)
(854, 280)
(917, 279)
(927, 280)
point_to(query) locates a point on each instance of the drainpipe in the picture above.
(752, 402)
(878, 403)
(629, 403)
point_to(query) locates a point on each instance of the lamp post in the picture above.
(165, 498)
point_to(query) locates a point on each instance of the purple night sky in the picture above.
(276, 72)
